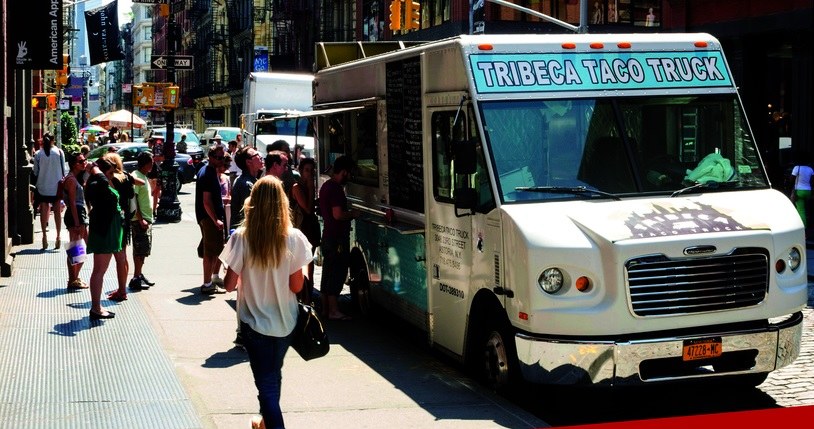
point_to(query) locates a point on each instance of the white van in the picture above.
(566, 209)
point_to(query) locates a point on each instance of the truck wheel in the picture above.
(360, 291)
(499, 364)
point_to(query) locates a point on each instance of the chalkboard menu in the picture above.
(405, 160)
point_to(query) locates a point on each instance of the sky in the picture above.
(124, 10)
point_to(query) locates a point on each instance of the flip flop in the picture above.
(116, 296)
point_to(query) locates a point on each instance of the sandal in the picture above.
(77, 284)
(116, 296)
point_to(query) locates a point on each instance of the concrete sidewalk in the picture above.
(167, 359)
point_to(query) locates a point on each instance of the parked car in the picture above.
(194, 148)
(129, 153)
(224, 134)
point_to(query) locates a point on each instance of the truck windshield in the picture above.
(620, 146)
(285, 127)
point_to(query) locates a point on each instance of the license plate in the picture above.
(702, 349)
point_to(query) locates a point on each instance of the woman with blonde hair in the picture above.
(124, 183)
(268, 255)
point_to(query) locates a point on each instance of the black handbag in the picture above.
(309, 338)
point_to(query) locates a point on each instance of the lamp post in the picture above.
(87, 80)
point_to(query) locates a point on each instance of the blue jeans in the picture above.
(335, 264)
(266, 360)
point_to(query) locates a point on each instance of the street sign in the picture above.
(152, 1)
(160, 62)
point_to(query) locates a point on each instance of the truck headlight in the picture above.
(794, 259)
(550, 280)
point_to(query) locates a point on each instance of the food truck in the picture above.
(576, 209)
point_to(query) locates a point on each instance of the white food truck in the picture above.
(565, 209)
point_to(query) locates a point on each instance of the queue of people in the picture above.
(260, 228)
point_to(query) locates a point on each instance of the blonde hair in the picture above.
(116, 161)
(267, 221)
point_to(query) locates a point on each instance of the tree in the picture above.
(69, 134)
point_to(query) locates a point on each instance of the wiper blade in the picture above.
(576, 190)
(704, 186)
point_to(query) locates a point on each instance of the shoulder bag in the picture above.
(309, 338)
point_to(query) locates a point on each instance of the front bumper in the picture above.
(547, 361)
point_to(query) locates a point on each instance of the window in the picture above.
(354, 134)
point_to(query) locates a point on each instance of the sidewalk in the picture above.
(167, 359)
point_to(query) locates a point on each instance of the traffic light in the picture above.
(171, 94)
(144, 95)
(64, 72)
(39, 102)
(51, 101)
(395, 15)
(44, 101)
(412, 16)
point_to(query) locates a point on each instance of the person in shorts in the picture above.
(142, 221)
(211, 216)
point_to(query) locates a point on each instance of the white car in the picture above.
(224, 134)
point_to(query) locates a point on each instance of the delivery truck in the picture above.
(571, 209)
(277, 95)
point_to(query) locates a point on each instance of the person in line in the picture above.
(268, 260)
(801, 176)
(289, 175)
(124, 184)
(335, 246)
(226, 197)
(276, 164)
(303, 202)
(142, 221)
(49, 167)
(234, 170)
(76, 214)
(251, 166)
(210, 214)
(105, 231)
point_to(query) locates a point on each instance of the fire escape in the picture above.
(290, 33)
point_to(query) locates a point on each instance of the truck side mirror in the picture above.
(465, 157)
(465, 199)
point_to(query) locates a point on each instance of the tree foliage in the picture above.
(69, 133)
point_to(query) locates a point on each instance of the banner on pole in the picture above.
(104, 40)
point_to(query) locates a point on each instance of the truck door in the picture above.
(453, 255)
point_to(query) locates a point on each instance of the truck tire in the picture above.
(496, 359)
(360, 289)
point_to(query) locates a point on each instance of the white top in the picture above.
(802, 174)
(265, 302)
(49, 169)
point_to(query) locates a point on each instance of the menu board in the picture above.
(404, 134)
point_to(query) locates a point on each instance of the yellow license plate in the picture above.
(702, 349)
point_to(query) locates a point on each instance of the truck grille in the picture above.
(661, 286)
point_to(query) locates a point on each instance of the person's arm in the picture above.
(70, 189)
(230, 281)
(295, 280)
(340, 213)
(210, 209)
(301, 198)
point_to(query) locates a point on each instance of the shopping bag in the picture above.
(77, 251)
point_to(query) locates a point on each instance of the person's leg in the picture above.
(100, 263)
(138, 263)
(45, 214)
(122, 269)
(266, 356)
(58, 221)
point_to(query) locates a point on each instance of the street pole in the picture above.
(169, 208)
